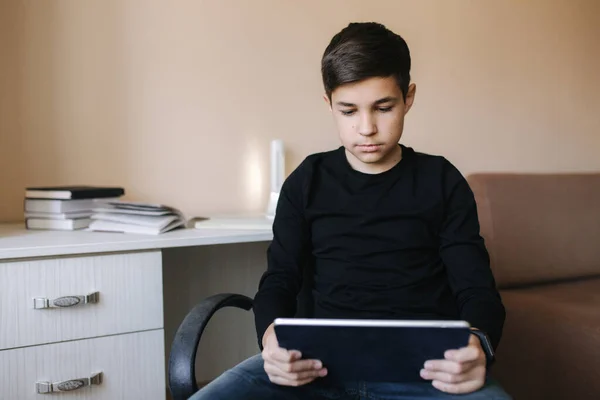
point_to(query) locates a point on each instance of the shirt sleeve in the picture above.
(467, 260)
(286, 256)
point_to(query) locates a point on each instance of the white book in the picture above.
(58, 206)
(57, 224)
(67, 215)
(131, 211)
(138, 206)
(142, 220)
(111, 226)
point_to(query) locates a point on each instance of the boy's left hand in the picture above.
(461, 371)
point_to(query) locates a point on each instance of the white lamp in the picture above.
(277, 175)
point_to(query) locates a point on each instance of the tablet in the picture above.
(371, 350)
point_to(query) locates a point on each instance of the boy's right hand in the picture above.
(286, 367)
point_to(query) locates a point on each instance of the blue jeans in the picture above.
(249, 381)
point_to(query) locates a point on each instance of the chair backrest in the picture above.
(539, 227)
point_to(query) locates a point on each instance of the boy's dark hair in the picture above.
(365, 50)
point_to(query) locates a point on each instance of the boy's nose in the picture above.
(367, 126)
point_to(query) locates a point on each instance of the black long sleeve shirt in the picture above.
(402, 244)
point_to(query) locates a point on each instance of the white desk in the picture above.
(144, 284)
(17, 242)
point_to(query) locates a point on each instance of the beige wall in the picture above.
(141, 93)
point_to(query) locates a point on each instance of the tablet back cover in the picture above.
(371, 354)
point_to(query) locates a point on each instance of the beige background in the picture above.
(177, 101)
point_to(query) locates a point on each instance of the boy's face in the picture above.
(369, 115)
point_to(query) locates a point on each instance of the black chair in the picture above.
(182, 359)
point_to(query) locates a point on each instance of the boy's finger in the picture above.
(448, 366)
(278, 354)
(445, 377)
(465, 354)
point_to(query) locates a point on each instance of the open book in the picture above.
(135, 217)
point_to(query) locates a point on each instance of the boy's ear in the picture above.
(327, 101)
(410, 97)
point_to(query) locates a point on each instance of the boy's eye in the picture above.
(385, 109)
(347, 112)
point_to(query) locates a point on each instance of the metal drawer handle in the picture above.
(70, 385)
(65, 301)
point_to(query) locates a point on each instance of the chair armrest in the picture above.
(182, 360)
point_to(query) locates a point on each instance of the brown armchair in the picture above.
(543, 235)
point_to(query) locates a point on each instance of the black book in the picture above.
(73, 192)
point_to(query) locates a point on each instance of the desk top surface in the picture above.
(18, 242)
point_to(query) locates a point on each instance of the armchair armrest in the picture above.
(182, 360)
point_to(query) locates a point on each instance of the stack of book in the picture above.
(64, 207)
(135, 217)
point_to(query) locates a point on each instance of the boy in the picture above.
(392, 233)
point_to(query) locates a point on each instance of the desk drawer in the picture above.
(129, 366)
(126, 297)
